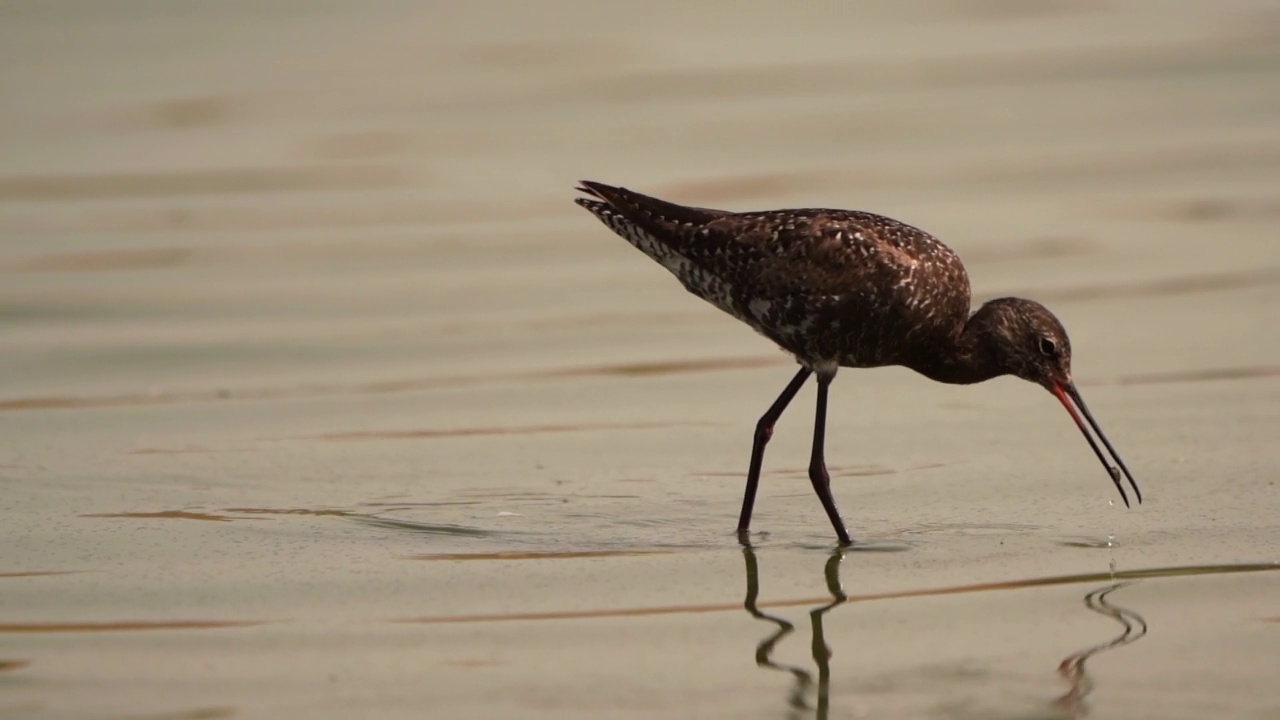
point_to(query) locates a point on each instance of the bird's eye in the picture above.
(1047, 347)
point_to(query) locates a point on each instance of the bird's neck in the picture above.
(964, 358)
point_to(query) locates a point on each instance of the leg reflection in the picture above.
(821, 652)
(797, 698)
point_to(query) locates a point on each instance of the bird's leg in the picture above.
(818, 464)
(764, 431)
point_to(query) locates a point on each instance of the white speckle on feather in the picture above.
(695, 279)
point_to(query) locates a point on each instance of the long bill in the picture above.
(1067, 395)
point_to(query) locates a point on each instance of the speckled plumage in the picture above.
(832, 287)
(845, 288)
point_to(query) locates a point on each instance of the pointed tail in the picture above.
(656, 216)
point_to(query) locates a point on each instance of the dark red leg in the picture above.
(764, 431)
(818, 464)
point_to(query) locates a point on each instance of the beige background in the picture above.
(303, 337)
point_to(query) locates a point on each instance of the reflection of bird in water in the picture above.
(797, 699)
(1072, 667)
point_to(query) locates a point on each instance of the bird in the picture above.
(847, 288)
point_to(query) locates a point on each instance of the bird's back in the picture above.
(828, 285)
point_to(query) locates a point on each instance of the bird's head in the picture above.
(1021, 337)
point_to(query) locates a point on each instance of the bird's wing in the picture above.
(779, 252)
(807, 252)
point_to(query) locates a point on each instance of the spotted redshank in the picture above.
(842, 288)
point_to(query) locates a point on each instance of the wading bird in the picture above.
(842, 288)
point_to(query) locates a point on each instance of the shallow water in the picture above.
(318, 396)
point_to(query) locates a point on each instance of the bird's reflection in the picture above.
(1072, 667)
(805, 686)
(798, 697)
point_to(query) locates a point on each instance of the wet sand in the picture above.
(320, 398)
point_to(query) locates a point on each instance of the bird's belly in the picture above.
(801, 325)
(852, 330)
